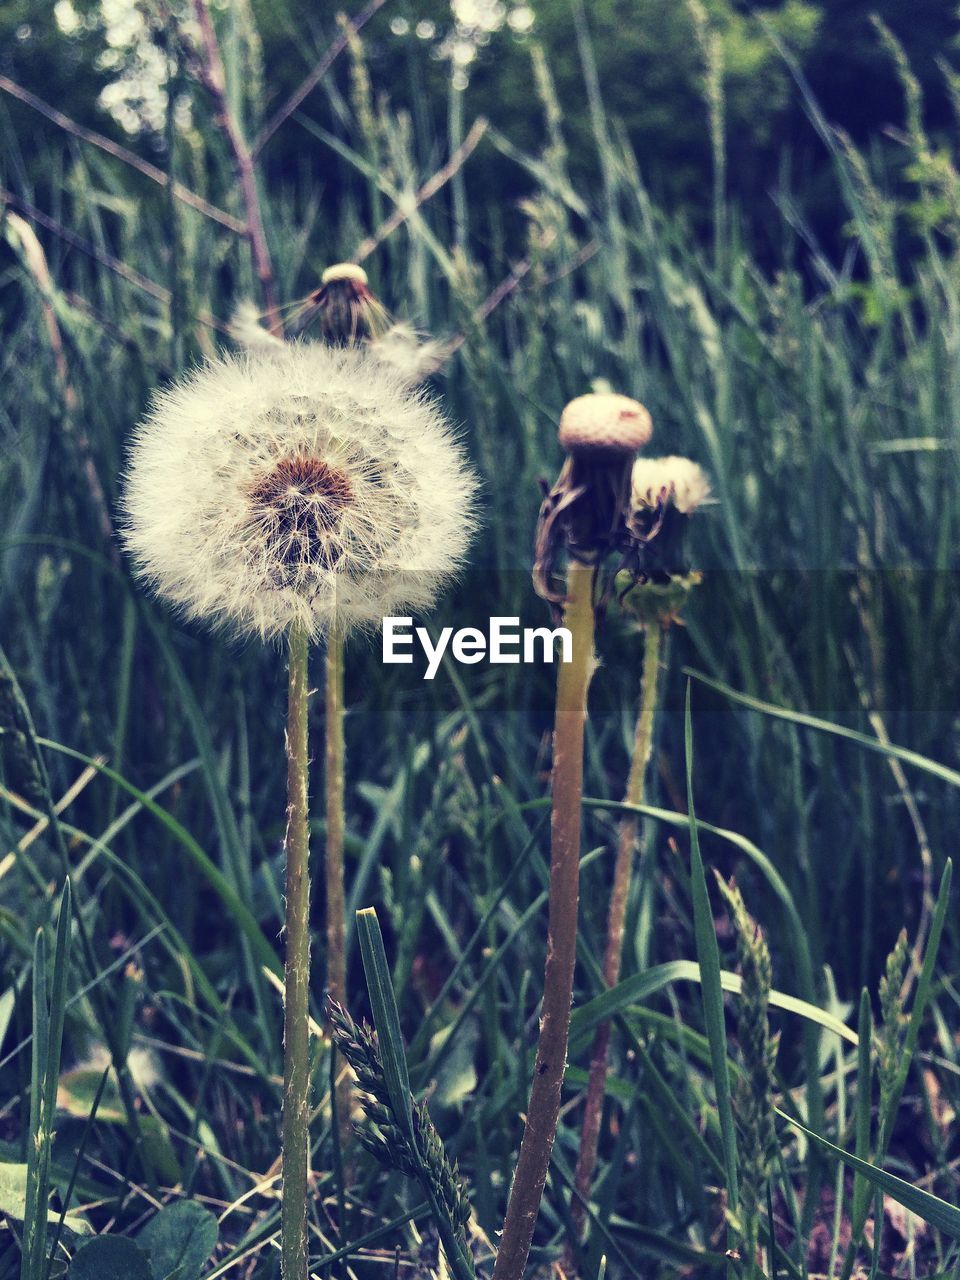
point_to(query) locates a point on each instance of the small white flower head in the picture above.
(308, 486)
(664, 493)
(348, 315)
(678, 481)
(604, 421)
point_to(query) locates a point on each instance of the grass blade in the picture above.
(708, 954)
(938, 1213)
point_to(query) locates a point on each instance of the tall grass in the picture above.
(823, 398)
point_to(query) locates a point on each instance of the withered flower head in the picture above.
(584, 514)
(664, 493)
(348, 315)
(345, 307)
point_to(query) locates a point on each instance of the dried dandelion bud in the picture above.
(604, 422)
(306, 486)
(349, 271)
(584, 513)
(664, 493)
(349, 315)
(345, 307)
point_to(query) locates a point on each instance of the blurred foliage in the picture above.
(653, 59)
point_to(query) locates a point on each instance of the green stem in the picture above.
(296, 1062)
(619, 894)
(333, 859)
(544, 1106)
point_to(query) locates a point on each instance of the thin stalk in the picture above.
(333, 859)
(296, 1060)
(544, 1106)
(613, 952)
(214, 77)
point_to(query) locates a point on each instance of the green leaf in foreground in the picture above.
(13, 1195)
(635, 989)
(111, 1258)
(938, 1213)
(708, 954)
(424, 1150)
(179, 1239)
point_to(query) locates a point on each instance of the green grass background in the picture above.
(822, 397)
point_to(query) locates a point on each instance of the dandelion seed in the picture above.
(306, 486)
(246, 329)
(413, 357)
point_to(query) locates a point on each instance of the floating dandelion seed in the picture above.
(305, 487)
(246, 329)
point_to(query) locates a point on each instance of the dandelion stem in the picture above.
(333, 857)
(296, 1068)
(544, 1106)
(613, 952)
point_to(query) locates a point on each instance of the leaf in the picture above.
(179, 1239)
(78, 1088)
(13, 1194)
(75, 1096)
(929, 1207)
(635, 989)
(456, 1079)
(709, 955)
(904, 754)
(386, 1018)
(110, 1258)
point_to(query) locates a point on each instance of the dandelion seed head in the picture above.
(678, 481)
(604, 421)
(302, 485)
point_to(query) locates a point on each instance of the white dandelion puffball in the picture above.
(308, 486)
(657, 481)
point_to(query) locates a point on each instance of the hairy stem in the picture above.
(613, 952)
(544, 1106)
(296, 1062)
(333, 857)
